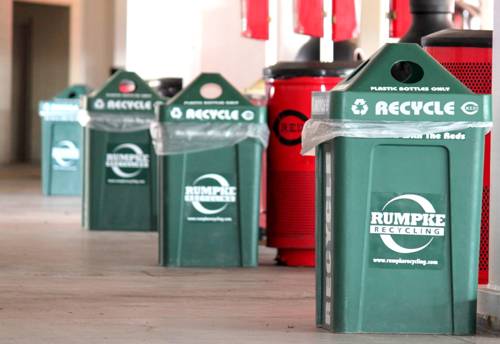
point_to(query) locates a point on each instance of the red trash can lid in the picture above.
(459, 38)
(285, 70)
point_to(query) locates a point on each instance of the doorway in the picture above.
(40, 70)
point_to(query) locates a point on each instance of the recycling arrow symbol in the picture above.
(360, 107)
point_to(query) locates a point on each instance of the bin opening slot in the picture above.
(211, 90)
(407, 72)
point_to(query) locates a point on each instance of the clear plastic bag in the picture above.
(318, 131)
(59, 112)
(179, 138)
(117, 123)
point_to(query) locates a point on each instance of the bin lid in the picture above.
(73, 92)
(459, 38)
(400, 92)
(124, 93)
(59, 109)
(402, 83)
(64, 106)
(208, 114)
(211, 99)
(166, 87)
(283, 70)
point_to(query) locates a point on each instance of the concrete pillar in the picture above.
(495, 152)
(75, 42)
(120, 33)
(92, 34)
(283, 43)
(487, 18)
(374, 25)
(6, 149)
(489, 297)
(97, 41)
(288, 42)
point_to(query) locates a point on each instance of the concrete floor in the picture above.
(62, 284)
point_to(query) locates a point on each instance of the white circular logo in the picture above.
(210, 188)
(99, 104)
(426, 207)
(127, 156)
(360, 107)
(248, 115)
(470, 108)
(65, 153)
(176, 113)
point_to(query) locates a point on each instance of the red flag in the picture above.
(345, 21)
(255, 19)
(400, 18)
(308, 17)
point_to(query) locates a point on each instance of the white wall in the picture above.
(224, 50)
(184, 38)
(170, 38)
(163, 38)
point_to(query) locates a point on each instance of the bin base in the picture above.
(296, 257)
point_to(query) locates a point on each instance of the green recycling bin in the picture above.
(119, 162)
(209, 140)
(399, 180)
(62, 143)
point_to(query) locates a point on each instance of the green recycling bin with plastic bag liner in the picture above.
(399, 148)
(62, 143)
(209, 140)
(119, 161)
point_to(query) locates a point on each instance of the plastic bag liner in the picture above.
(59, 112)
(318, 131)
(117, 123)
(179, 138)
(60, 116)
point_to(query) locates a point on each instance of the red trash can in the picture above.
(467, 55)
(290, 176)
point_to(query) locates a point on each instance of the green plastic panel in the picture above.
(61, 158)
(117, 197)
(73, 92)
(222, 229)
